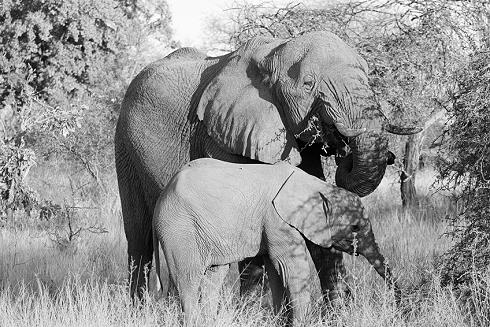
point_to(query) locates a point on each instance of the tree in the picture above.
(465, 167)
(63, 70)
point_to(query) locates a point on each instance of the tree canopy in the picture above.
(64, 65)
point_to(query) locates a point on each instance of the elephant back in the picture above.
(186, 53)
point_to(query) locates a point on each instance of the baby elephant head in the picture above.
(330, 216)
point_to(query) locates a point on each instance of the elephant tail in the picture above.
(156, 253)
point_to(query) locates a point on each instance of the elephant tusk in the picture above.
(348, 132)
(399, 130)
(394, 129)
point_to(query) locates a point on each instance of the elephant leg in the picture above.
(328, 262)
(186, 273)
(298, 275)
(331, 271)
(212, 286)
(188, 293)
(251, 273)
(137, 227)
(139, 261)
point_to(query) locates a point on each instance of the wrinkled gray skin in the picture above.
(214, 213)
(256, 104)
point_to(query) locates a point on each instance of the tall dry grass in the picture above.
(83, 284)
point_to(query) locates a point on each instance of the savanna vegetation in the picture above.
(64, 68)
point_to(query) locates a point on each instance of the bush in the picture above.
(15, 162)
(64, 65)
(466, 167)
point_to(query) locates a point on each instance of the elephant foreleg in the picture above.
(298, 277)
(331, 271)
(328, 262)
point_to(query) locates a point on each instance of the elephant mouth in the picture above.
(318, 131)
(360, 147)
(346, 246)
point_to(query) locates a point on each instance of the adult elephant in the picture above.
(270, 100)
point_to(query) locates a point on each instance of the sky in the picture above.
(190, 18)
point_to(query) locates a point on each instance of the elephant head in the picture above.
(330, 216)
(271, 93)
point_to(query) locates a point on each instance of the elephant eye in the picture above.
(356, 228)
(308, 83)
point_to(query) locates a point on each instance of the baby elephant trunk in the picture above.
(370, 250)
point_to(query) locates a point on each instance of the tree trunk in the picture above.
(411, 160)
(410, 167)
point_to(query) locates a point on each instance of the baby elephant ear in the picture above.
(239, 112)
(300, 203)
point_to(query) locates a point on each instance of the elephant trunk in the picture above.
(362, 170)
(369, 249)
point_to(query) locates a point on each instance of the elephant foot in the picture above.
(139, 278)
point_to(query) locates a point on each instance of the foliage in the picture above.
(63, 68)
(467, 168)
(393, 36)
(68, 226)
(15, 162)
(53, 48)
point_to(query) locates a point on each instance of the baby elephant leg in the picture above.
(298, 275)
(186, 272)
(188, 289)
(304, 288)
(331, 271)
(211, 288)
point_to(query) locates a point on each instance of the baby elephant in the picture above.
(214, 213)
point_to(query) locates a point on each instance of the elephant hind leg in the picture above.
(185, 266)
(212, 287)
(137, 219)
(140, 245)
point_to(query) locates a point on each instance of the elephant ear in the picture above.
(301, 204)
(239, 113)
